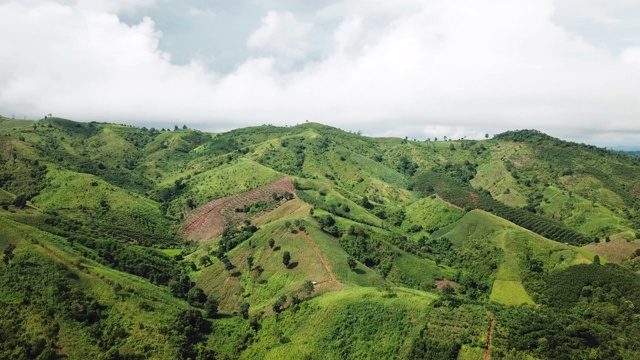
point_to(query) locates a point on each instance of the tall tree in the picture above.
(286, 258)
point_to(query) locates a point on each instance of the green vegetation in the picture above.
(326, 244)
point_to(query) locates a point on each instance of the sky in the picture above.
(415, 68)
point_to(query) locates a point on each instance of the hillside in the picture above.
(312, 242)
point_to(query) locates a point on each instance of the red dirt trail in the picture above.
(313, 246)
(487, 352)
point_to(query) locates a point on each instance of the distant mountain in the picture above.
(313, 242)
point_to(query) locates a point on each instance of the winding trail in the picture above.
(487, 352)
(315, 249)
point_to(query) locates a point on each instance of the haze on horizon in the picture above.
(388, 68)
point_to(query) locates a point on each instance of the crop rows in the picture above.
(210, 220)
(458, 194)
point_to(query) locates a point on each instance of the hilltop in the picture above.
(312, 242)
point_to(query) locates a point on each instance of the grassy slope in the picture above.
(357, 321)
(127, 303)
(478, 226)
(354, 323)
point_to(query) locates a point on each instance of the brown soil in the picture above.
(487, 352)
(209, 221)
(440, 284)
(474, 199)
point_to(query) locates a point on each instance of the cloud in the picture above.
(281, 34)
(196, 12)
(418, 68)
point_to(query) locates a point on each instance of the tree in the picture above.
(180, 287)
(8, 253)
(191, 204)
(278, 306)
(211, 307)
(448, 290)
(20, 201)
(286, 258)
(352, 263)
(486, 136)
(196, 297)
(244, 310)
(192, 324)
(365, 203)
(271, 243)
(250, 262)
(227, 263)
(307, 287)
(596, 260)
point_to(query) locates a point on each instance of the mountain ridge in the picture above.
(102, 205)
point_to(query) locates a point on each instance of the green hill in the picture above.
(329, 245)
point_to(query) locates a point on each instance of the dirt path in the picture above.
(487, 352)
(65, 261)
(315, 249)
(474, 199)
(449, 203)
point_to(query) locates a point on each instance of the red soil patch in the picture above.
(315, 249)
(474, 199)
(209, 221)
(440, 284)
(487, 352)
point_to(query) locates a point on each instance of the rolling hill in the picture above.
(310, 242)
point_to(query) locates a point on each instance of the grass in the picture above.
(126, 304)
(353, 323)
(588, 217)
(89, 197)
(6, 197)
(470, 353)
(481, 227)
(431, 213)
(229, 179)
(510, 293)
(9, 124)
(495, 177)
(617, 250)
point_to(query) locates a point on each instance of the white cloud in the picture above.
(282, 35)
(430, 68)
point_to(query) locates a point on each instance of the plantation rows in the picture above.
(461, 195)
(210, 220)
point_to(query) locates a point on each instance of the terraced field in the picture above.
(210, 220)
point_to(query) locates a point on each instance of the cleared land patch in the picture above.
(210, 220)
